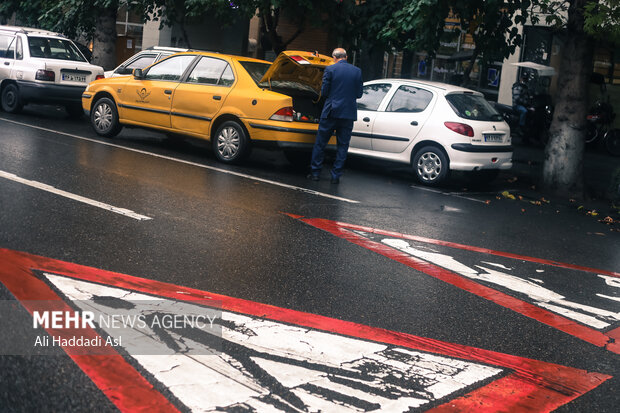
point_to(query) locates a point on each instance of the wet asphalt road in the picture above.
(228, 234)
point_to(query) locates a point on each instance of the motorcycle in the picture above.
(600, 118)
(537, 120)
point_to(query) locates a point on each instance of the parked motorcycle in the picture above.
(600, 118)
(537, 120)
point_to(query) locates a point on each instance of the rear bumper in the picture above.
(49, 93)
(479, 158)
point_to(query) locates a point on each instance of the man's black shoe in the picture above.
(313, 177)
(335, 180)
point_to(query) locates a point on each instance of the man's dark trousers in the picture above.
(343, 128)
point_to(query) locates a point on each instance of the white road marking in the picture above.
(212, 168)
(271, 366)
(543, 297)
(92, 202)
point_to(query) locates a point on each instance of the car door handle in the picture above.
(414, 123)
(367, 119)
(168, 92)
(217, 97)
(6, 63)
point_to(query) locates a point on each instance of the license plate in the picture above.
(493, 138)
(74, 78)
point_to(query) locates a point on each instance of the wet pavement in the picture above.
(466, 270)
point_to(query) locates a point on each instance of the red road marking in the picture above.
(531, 386)
(609, 340)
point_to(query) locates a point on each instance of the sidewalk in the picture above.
(599, 169)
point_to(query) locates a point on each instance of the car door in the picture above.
(7, 55)
(200, 96)
(367, 106)
(148, 100)
(401, 121)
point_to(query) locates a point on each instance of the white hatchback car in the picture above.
(434, 127)
(43, 67)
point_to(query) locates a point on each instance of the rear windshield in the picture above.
(256, 70)
(54, 49)
(473, 107)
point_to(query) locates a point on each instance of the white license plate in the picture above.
(493, 137)
(74, 78)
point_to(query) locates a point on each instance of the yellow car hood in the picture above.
(298, 69)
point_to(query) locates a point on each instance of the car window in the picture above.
(170, 69)
(373, 95)
(51, 48)
(474, 107)
(10, 51)
(141, 62)
(162, 56)
(5, 41)
(208, 71)
(409, 99)
(255, 69)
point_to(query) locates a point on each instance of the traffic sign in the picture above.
(278, 359)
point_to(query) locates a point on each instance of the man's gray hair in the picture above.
(339, 53)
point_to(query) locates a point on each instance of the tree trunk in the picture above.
(563, 165)
(104, 41)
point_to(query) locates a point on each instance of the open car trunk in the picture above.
(299, 75)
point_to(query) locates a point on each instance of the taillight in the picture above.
(461, 128)
(284, 114)
(99, 77)
(47, 75)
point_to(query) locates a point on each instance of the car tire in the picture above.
(430, 165)
(231, 143)
(104, 118)
(74, 110)
(11, 101)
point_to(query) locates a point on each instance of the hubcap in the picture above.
(103, 117)
(429, 166)
(10, 98)
(228, 143)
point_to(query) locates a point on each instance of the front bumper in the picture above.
(49, 93)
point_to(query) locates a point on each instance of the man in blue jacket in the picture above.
(342, 86)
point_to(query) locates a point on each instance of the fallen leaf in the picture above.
(513, 179)
(508, 195)
(599, 233)
(488, 201)
(522, 209)
(571, 200)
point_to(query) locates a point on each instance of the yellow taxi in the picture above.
(234, 102)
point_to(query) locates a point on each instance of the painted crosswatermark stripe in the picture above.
(541, 312)
(211, 168)
(79, 198)
(528, 385)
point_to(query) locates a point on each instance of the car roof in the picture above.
(222, 55)
(444, 88)
(165, 49)
(30, 30)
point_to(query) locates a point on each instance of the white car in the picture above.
(143, 59)
(434, 127)
(42, 67)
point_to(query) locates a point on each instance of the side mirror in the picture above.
(124, 71)
(137, 74)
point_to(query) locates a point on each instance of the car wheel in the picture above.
(75, 110)
(430, 165)
(104, 118)
(11, 101)
(230, 143)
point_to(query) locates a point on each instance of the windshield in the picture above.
(255, 69)
(473, 107)
(51, 48)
